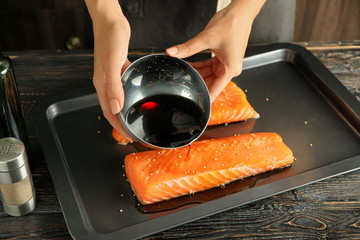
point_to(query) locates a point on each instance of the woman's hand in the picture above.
(111, 42)
(226, 35)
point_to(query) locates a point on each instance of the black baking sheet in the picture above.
(295, 95)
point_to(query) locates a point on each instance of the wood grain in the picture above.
(327, 20)
(329, 209)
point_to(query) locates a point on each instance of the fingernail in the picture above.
(114, 106)
(172, 50)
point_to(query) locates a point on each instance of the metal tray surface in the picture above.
(296, 97)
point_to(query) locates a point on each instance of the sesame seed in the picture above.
(120, 210)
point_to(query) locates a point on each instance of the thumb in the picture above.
(189, 48)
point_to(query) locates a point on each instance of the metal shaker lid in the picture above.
(12, 154)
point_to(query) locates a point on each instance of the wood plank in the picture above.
(327, 20)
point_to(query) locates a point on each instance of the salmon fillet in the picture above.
(164, 174)
(230, 106)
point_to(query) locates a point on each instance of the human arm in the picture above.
(111, 42)
(226, 35)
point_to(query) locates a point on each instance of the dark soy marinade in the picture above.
(166, 120)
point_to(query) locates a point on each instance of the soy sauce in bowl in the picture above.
(166, 120)
(167, 104)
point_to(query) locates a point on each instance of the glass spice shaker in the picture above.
(12, 122)
(16, 186)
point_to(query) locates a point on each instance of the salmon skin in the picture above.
(164, 174)
(230, 106)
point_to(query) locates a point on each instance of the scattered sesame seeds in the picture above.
(305, 122)
(120, 210)
(267, 99)
(98, 131)
(245, 90)
(121, 195)
(310, 144)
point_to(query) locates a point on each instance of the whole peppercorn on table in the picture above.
(324, 210)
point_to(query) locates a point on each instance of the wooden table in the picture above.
(329, 209)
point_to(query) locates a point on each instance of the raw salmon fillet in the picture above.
(230, 106)
(164, 174)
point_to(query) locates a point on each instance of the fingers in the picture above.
(114, 88)
(115, 122)
(203, 68)
(125, 66)
(216, 85)
(190, 47)
(113, 119)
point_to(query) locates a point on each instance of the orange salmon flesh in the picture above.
(164, 174)
(230, 106)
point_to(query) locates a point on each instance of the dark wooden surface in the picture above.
(327, 20)
(329, 209)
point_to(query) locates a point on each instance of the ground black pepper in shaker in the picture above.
(16, 186)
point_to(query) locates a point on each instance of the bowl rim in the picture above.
(207, 96)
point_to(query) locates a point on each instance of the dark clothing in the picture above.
(164, 23)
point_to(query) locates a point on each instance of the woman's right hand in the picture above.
(111, 42)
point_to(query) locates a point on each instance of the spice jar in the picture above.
(16, 186)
